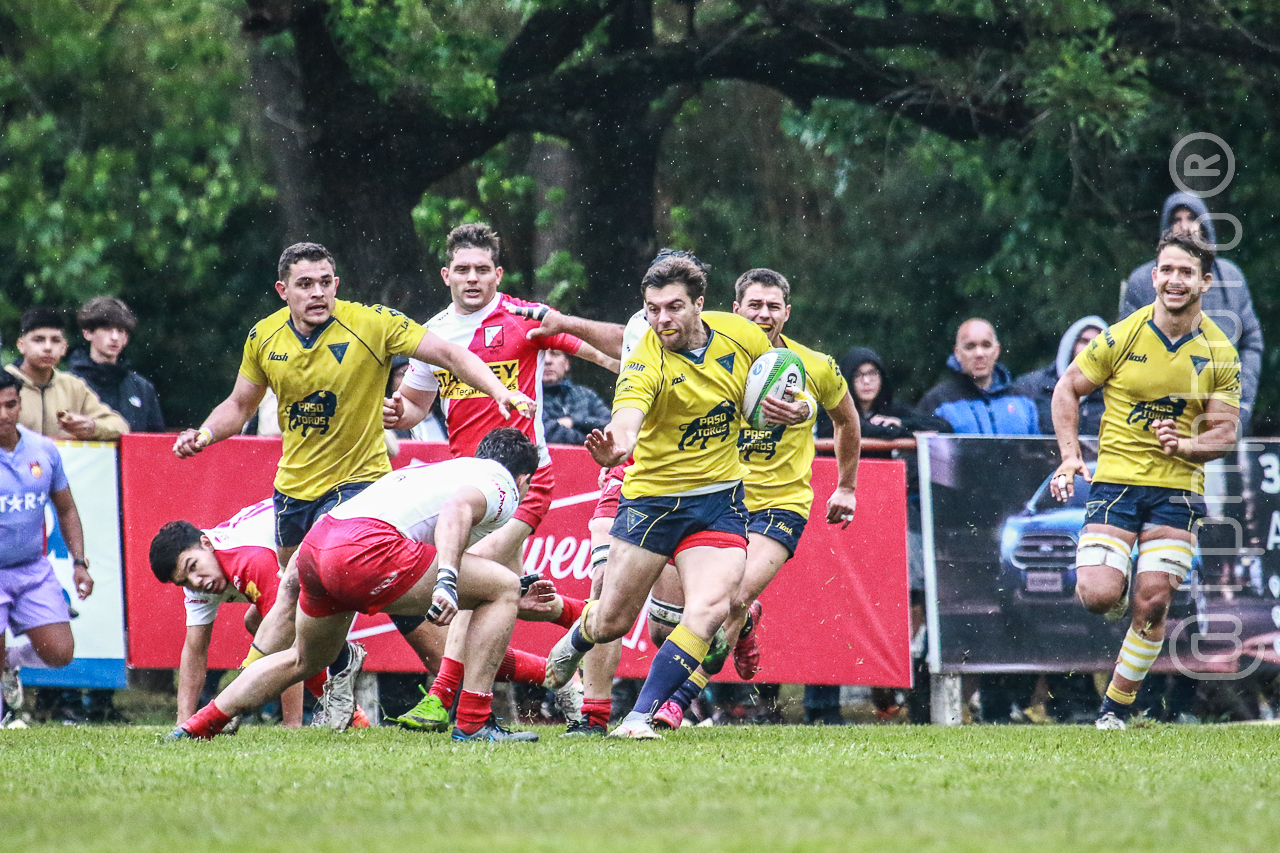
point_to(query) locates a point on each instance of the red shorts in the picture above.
(357, 564)
(537, 502)
(607, 506)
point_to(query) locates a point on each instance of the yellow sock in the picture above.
(689, 642)
(254, 654)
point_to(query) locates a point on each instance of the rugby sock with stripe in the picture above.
(473, 710)
(447, 682)
(672, 666)
(1136, 657)
(255, 654)
(522, 668)
(686, 693)
(570, 613)
(597, 711)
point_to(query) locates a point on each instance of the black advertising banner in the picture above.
(1000, 564)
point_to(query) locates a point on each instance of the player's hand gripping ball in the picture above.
(779, 373)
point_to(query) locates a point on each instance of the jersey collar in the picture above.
(477, 317)
(700, 357)
(308, 341)
(1174, 346)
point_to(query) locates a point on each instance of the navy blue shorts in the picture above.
(662, 524)
(1132, 508)
(781, 525)
(295, 517)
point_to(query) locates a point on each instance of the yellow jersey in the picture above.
(330, 385)
(1145, 378)
(779, 459)
(692, 407)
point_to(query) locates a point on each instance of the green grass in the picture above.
(760, 789)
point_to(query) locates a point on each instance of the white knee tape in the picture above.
(1171, 556)
(664, 613)
(1101, 549)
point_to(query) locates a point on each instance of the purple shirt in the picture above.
(27, 477)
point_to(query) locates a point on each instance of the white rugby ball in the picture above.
(779, 373)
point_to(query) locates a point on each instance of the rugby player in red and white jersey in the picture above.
(236, 562)
(479, 318)
(398, 547)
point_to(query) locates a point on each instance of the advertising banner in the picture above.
(97, 622)
(1000, 564)
(836, 614)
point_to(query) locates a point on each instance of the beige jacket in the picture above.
(65, 393)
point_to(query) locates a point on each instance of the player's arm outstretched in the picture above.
(460, 513)
(605, 338)
(472, 370)
(192, 669)
(1215, 442)
(226, 420)
(613, 444)
(848, 444)
(1066, 425)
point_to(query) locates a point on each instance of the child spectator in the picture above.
(106, 324)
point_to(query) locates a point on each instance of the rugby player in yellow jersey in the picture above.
(1171, 383)
(676, 411)
(779, 464)
(328, 362)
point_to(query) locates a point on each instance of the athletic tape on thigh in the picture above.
(664, 613)
(1102, 549)
(1171, 556)
(599, 556)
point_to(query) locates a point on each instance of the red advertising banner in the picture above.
(836, 614)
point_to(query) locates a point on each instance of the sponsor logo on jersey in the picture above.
(278, 356)
(493, 336)
(764, 441)
(36, 470)
(1199, 361)
(1106, 336)
(676, 380)
(313, 411)
(726, 361)
(1157, 410)
(1141, 359)
(453, 388)
(714, 424)
(339, 350)
(252, 592)
(23, 500)
(634, 365)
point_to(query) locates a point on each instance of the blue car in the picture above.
(1038, 555)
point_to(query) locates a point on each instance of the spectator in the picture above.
(978, 397)
(106, 324)
(882, 416)
(55, 403)
(1039, 384)
(1228, 302)
(569, 411)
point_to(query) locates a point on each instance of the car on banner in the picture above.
(1038, 558)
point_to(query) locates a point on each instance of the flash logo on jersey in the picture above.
(1157, 410)
(714, 424)
(313, 411)
(453, 388)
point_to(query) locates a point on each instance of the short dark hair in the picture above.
(668, 252)
(1190, 242)
(41, 317)
(511, 448)
(675, 269)
(8, 380)
(168, 544)
(105, 312)
(765, 277)
(302, 252)
(473, 235)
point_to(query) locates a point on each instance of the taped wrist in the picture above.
(447, 583)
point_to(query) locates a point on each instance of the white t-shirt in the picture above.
(410, 499)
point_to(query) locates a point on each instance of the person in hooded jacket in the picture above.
(978, 398)
(106, 323)
(1039, 384)
(1227, 302)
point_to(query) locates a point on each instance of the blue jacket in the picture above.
(997, 410)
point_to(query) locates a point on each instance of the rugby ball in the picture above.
(779, 373)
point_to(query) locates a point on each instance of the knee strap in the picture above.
(1101, 549)
(1171, 556)
(665, 614)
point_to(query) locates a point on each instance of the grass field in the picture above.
(768, 788)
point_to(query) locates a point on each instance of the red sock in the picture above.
(473, 710)
(206, 722)
(315, 684)
(572, 610)
(597, 711)
(522, 668)
(447, 682)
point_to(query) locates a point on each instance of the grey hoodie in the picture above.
(1039, 384)
(1228, 302)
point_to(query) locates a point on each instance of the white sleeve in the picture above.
(201, 609)
(421, 376)
(501, 498)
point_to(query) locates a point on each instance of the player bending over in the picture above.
(1171, 383)
(398, 547)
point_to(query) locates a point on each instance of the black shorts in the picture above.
(295, 517)
(781, 525)
(1132, 508)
